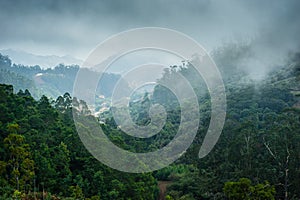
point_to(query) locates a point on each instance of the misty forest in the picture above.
(257, 156)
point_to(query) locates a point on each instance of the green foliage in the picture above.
(243, 190)
(41, 151)
(260, 139)
(17, 195)
(76, 192)
(19, 164)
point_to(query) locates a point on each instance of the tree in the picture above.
(19, 162)
(61, 159)
(243, 190)
(282, 144)
(76, 192)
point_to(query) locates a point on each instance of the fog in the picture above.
(76, 27)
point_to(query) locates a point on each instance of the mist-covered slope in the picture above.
(51, 81)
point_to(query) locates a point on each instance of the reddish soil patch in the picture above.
(163, 189)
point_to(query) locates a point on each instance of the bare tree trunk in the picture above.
(286, 178)
(286, 185)
(286, 168)
(247, 140)
(18, 187)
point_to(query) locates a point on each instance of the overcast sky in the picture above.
(75, 27)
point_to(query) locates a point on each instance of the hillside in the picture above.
(258, 148)
(51, 82)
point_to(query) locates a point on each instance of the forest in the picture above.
(257, 156)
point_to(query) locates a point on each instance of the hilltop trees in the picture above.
(244, 190)
(41, 151)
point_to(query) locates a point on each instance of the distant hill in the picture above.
(51, 82)
(48, 61)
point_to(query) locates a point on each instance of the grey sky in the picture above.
(76, 27)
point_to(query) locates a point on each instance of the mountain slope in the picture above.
(47, 61)
(52, 81)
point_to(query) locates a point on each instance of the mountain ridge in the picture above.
(44, 61)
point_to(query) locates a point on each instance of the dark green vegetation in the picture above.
(256, 157)
(41, 151)
(244, 190)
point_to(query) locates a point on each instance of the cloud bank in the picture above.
(75, 27)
